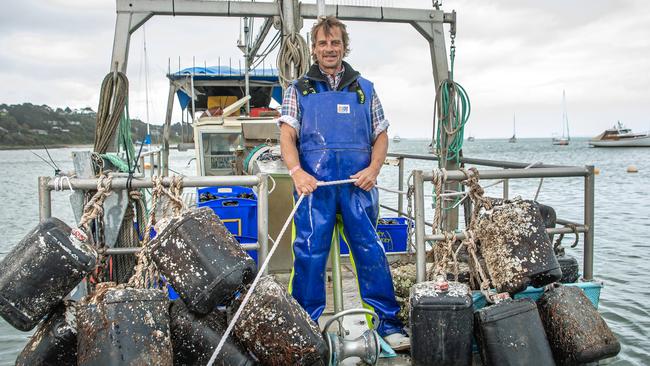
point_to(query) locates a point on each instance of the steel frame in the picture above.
(46, 186)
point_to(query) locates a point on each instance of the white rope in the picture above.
(391, 190)
(58, 183)
(273, 188)
(263, 268)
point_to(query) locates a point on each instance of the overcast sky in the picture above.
(513, 57)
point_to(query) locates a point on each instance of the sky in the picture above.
(514, 58)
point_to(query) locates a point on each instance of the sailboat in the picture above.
(513, 139)
(564, 140)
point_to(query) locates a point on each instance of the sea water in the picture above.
(622, 221)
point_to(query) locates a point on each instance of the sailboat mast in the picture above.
(565, 117)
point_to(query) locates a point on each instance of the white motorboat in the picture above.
(620, 136)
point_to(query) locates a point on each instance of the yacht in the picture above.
(620, 136)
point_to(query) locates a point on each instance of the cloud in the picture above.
(513, 56)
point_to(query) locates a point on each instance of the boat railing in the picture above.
(510, 170)
(155, 162)
(48, 184)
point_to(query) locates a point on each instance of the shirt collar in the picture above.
(338, 73)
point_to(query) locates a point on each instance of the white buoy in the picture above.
(632, 169)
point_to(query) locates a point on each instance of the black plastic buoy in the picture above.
(278, 330)
(41, 270)
(511, 333)
(575, 330)
(441, 321)
(124, 326)
(55, 341)
(516, 248)
(202, 260)
(570, 268)
(195, 338)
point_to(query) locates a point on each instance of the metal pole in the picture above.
(420, 249)
(562, 172)
(44, 199)
(400, 184)
(588, 238)
(337, 278)
(135, 250)
(506, 188)
(263, 218)
(151, 162)
(159, 155)
(202, 181)
(550, 231)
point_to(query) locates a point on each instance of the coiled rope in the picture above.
(112, 100)
(293, 55)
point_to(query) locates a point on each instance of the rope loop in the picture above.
(95, 207)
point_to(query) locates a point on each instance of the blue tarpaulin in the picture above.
(226, 73)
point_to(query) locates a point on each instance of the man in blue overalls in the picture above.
(332, 127)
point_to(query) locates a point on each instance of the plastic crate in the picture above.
(236, 207)
(394, 236)
(248, 240)
(591, 290)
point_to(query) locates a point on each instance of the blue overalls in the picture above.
(335, 142)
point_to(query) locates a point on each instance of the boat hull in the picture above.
(634, 142)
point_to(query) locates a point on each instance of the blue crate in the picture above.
(239, 215)
(248, 240)
(394, 237)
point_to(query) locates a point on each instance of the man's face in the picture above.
(329, 49)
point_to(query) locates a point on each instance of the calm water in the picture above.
(622, 219)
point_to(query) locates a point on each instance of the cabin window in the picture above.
(219, 152)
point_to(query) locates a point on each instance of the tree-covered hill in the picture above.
(29, 125)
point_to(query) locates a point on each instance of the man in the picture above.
(332, 127)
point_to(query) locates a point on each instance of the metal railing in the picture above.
(155, 162)
(46, 186)
(511, 170)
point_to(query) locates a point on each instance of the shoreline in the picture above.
(40, 147)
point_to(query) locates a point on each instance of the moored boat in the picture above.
(565, 139)
(620, 136)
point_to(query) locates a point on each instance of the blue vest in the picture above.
(335, 138)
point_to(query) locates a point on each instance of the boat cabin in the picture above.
(216, 101)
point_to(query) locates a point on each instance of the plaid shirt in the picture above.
(291, 112)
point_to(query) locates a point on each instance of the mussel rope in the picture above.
(112, 100)
(92, 210)
(146, 274)
(95, 207)
(261, 270)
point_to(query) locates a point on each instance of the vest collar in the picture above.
(349, 75)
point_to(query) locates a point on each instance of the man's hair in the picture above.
(326, 24)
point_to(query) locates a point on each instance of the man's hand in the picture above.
(367, 178)
(304, 182)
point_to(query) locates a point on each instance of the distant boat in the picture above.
(620, 136)
(513, 139)
(564, 140)
(396, 138)
(470, 138)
